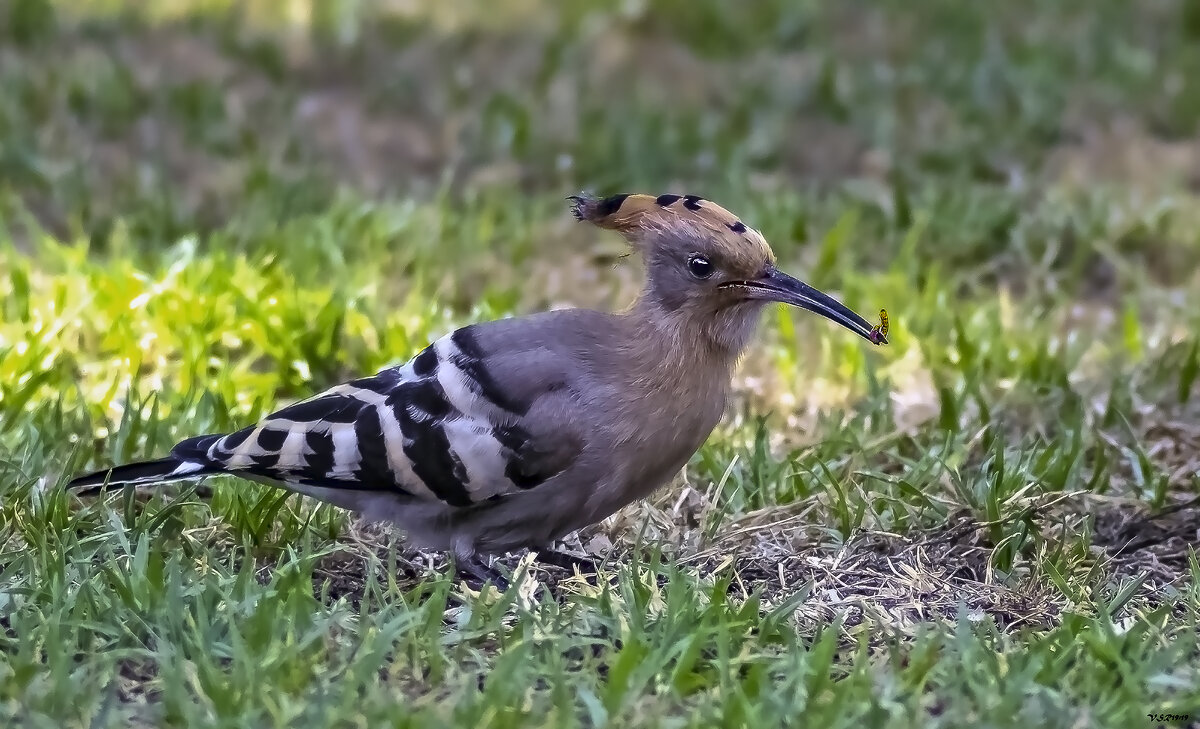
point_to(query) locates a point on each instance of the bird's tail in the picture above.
(160, 471)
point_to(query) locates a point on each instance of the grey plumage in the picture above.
(513, 433)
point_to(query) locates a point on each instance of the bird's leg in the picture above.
(477, 573)
(568, 562)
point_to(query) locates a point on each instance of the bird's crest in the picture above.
(634, 215)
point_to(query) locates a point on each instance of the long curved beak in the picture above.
(775, 285)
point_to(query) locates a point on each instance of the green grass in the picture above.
(208, 208)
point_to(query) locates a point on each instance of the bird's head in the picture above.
(706, 267)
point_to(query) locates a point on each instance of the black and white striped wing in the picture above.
(437, 427)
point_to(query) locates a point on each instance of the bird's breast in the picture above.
(653, 439)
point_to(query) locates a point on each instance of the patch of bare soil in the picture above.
(1158, 544)
(894, 587)
(890, 583)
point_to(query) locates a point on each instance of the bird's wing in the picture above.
(440, 427)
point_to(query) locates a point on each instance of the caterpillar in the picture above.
(879, 332)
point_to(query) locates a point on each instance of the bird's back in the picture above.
(457, 423)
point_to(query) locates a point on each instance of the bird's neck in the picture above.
(682, 343)
(674, 385)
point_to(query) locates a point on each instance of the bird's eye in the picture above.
(700, 267)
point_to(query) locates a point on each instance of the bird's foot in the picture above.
(477, 573)
(568, 562)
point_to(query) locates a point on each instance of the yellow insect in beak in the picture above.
(879, 331)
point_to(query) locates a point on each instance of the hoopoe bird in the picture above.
(511, 434)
